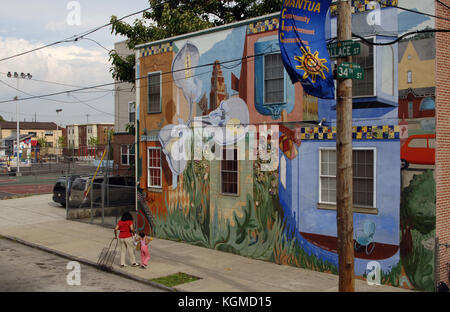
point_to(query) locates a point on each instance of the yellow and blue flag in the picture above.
(303, 47)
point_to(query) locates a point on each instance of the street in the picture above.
(25, 269)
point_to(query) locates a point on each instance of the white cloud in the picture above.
(69, 64)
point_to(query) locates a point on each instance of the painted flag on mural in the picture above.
(303, 47)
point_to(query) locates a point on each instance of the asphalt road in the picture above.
(25, 269)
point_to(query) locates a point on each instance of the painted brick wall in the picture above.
(443, 139)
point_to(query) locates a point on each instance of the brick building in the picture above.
(443, 143)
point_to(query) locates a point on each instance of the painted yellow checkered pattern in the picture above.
(262, 26)
(385, 132)
(364, 5)
(156, 49)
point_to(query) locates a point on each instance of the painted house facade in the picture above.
(233, 156)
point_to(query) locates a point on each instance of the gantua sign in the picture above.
(303, 46)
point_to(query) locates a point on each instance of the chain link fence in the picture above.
(100, 199)
(96, 193)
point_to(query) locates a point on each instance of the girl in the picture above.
(143, 241)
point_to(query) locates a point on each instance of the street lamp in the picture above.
(57, 138)
(17, 76)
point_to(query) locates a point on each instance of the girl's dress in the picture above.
(145, 254)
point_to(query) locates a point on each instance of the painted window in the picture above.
(410, 110)
(363, 177)
(154, 93)
(427, 104)
(273, 79)
(154, 169)
(273, 89)
(365, 87)
(131, 112)
(126, 154)
(409, 76)
(229, 171)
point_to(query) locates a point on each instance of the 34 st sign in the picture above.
(350, 71)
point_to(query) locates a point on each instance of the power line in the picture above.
(399, 38)
(73, 38)
(63, 84)
(442, 3)
(381, 2)
(59, 101)
(211, 64)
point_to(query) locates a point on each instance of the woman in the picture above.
(126, 228)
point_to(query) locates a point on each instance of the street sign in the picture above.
(350, 71)
(343, 49)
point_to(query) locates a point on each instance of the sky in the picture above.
(28, 24)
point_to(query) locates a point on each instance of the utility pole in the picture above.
(17, 76)
(344, 174)
(57, 138)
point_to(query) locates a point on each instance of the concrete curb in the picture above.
(89, 262)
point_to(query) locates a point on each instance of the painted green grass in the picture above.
(256, 231)
(175, 279)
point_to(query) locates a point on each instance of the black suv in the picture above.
(59, 189)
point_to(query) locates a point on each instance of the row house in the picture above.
(87, 140)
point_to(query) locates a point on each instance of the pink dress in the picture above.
(145, 254)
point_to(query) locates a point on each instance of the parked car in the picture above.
(59, 189)
(418, 149)
(118, 190)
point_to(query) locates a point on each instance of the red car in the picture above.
(418, 149)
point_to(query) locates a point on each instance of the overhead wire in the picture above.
(382, 2)
(442, 3)
(223, 62)
(73, 38)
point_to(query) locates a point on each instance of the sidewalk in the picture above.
(39, 222)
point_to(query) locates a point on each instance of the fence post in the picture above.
(67, 195)
(92, 203)
(103, 201)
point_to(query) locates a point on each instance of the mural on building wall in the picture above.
(285, 214)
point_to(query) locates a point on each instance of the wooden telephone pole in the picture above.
(344, 174)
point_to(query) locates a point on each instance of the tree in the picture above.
(1, 118)
(171, 18)
(61, 142)
(93, 141)
(130, 128)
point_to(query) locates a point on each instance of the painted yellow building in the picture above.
(417, 64)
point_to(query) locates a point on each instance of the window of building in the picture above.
(131, 112)
(427, 104)
(365, 87)
(126, 154)
(410, 110)
(363, 177)
(154, 93)
(409, 76)
(273, 79)
(229, 171)
(154, 169)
